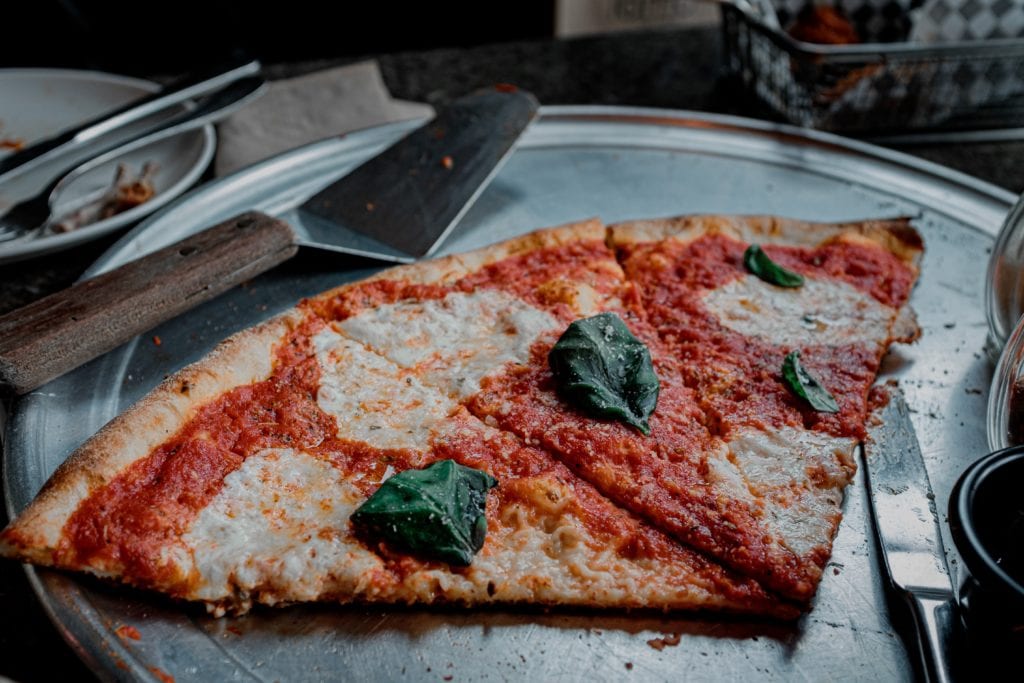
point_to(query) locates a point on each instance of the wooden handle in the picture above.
(60, 332)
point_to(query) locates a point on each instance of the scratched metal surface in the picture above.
(575, 162)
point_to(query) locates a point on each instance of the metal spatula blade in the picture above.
(433, 175)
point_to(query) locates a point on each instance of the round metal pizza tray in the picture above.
(573, 163)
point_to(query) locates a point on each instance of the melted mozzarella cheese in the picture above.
(540, 551)
(371, 398)
(581, 297)
(278, 530)
(453, 342)
(824, 312)
(796, 477)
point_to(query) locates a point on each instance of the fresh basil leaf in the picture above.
(601, 368)
(761, 265)
(436, 512)
(806, 386)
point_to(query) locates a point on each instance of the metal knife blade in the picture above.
(903, 512)
(418, 192)
(74, 138)
(434, 175)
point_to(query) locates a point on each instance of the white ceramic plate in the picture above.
(38, 103)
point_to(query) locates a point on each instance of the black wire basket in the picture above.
(876, 86)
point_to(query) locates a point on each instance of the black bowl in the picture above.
(986, 517)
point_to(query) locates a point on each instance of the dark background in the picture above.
(144, 38)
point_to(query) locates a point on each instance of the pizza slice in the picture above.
(236, 481)
(720, 471)
(737, 331)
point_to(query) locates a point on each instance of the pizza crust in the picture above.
(569, 233)
(241, 359)
(895, 236)
(448, 269)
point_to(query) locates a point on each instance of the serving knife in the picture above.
(396, 207)
(72, 139)
(32, 217)
(903, 514)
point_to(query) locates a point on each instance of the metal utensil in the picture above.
(30, 218)
(434, 175)
(411, 194)
(173, 93)
(903, 512)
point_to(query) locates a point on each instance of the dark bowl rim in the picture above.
(979, 562)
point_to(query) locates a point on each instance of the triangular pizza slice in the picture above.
(236, 480)
(748, 339)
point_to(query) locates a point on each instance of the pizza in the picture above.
(613, 417)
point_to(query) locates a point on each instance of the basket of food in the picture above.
(881, 65)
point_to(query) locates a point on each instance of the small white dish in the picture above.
(38, 103)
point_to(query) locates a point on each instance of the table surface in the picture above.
(677, 69)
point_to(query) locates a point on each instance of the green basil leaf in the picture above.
(601, 368)
(759, 263)
(436, 512)
(806, 386)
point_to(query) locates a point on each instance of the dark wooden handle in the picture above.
(60, 332)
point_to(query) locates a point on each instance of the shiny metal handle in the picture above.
(213, 107)
(172, 94)
(933, 619)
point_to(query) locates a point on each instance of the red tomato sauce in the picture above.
(738, 379)
(522, 469)
(352, 300)
(715, 260)
(534, 276)
(143, 511)
(662, 477)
